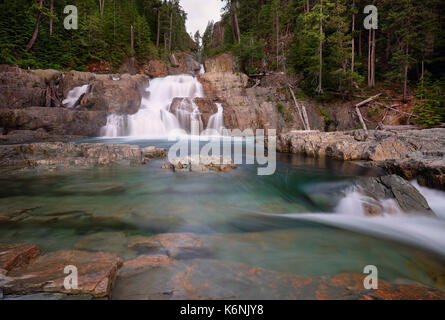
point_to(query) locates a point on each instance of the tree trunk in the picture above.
(277, 23)
(158, 36)
(132, 38)
(405, 80)
(373, 59)
(102, 6)
(235, 20)
(320, 49)
(369, 57)
(171, 28)
(353, 38)
(308, 6)
(51, 10)
(360, 44)
(36, 30)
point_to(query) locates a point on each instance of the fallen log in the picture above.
(303, 119)
(361, 118)
(358, 105)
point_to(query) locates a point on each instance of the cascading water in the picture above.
(216, 121)
(418, 230)
(154, 118)
(74, 95)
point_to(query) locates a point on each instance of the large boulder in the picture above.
(155, 69)
(21, 88)
(407, 197)
(110, 93)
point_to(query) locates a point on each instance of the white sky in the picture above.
(200, 12)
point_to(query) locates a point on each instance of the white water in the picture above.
(202, 71)
(417, 230)
(154, 118)
(216, 121)
(74, 95)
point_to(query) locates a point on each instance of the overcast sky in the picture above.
(200, 12)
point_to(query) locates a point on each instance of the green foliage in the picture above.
(280, 108)
(249, 53)
(374, 111)
(431, 109)
(98, 38)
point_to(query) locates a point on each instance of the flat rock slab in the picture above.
(15, 255)
(96, 274)
(173, 244)
(224, 280)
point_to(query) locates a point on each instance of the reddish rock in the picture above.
(96, 274)
(17, 255)
(225, 280)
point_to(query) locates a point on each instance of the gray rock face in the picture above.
(393, 187)
(56, 121)
(105, 94)
(20, 88)
(410, 154)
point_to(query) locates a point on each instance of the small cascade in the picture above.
(187, 113)
(216, 121)
(154, 118)
(202, 70)
(74, 95)
(116, 126)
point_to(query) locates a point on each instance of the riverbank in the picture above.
(414, 154)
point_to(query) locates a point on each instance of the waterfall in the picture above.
(154, 118)
(186, 113)
(216, 121)
(74, 95)
(202, 70)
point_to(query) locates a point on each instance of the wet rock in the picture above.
(93, 188)
(201, 164)
(96, 274)
(144, 263)
(113, 242)
(174, 244)
(50, 156)
(394, 187)
(16, 255)
(234, 281)
(152, 152)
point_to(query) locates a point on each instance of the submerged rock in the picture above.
(225, 280)
(17, 255)
(407, 197)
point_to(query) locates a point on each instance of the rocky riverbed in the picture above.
(414, 154)
(60, 155)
